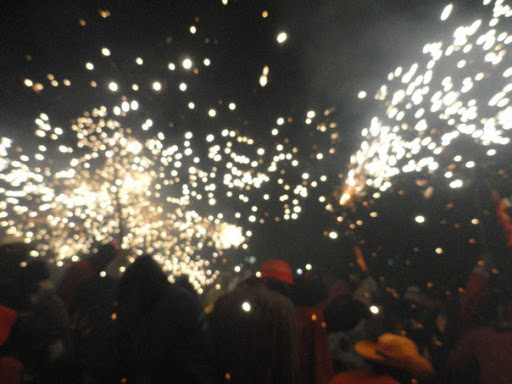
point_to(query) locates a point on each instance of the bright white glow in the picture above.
(333, 235)
(207, 62)
(139, 61)
(281, 37)
(246, 306)
(212, 112)
(171, 66)
(191, 105)
(193, 29)
(157, 86)
(374, 309)
(446, 12)
(105, 51)
(237, 269)
(309, 267)
(419, 219)
(187, 63)
(361, 94)
(456, 184)
(232, 106)
(231, 236)
(113, 86)
(183, 87)
(89, 66)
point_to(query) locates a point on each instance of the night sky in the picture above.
(334, 49)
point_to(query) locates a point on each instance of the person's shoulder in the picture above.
(179, 298)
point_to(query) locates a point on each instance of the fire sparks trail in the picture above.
(457, 92)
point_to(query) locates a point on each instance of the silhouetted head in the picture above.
(255, 336)
(105, 254)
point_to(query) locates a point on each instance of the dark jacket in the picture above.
(160, 337)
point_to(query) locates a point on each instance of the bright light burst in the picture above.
(115, 173)
(110, 184)
(457, 92)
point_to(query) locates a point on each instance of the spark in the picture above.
(446, 12)
(113, 86)
(426, 108)
(281, 37)
(419, 219)
(187, 63)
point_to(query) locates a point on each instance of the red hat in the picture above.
(7, 319)
(277, 269)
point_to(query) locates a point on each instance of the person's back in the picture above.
(255, 337)
(483, 356)
(160, 336)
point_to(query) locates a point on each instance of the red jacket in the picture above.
(10, 368)
(483, 356)
(360, 377)
(315, 358)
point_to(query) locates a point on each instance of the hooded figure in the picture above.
(160, 337)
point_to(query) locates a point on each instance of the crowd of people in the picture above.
(97, 326)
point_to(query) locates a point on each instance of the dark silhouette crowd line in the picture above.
(97, 326)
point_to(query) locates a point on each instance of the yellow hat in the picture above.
(397, 352)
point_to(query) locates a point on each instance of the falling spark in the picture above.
(281, 37)
(113, 86)
(187, 63)
(446, 12)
